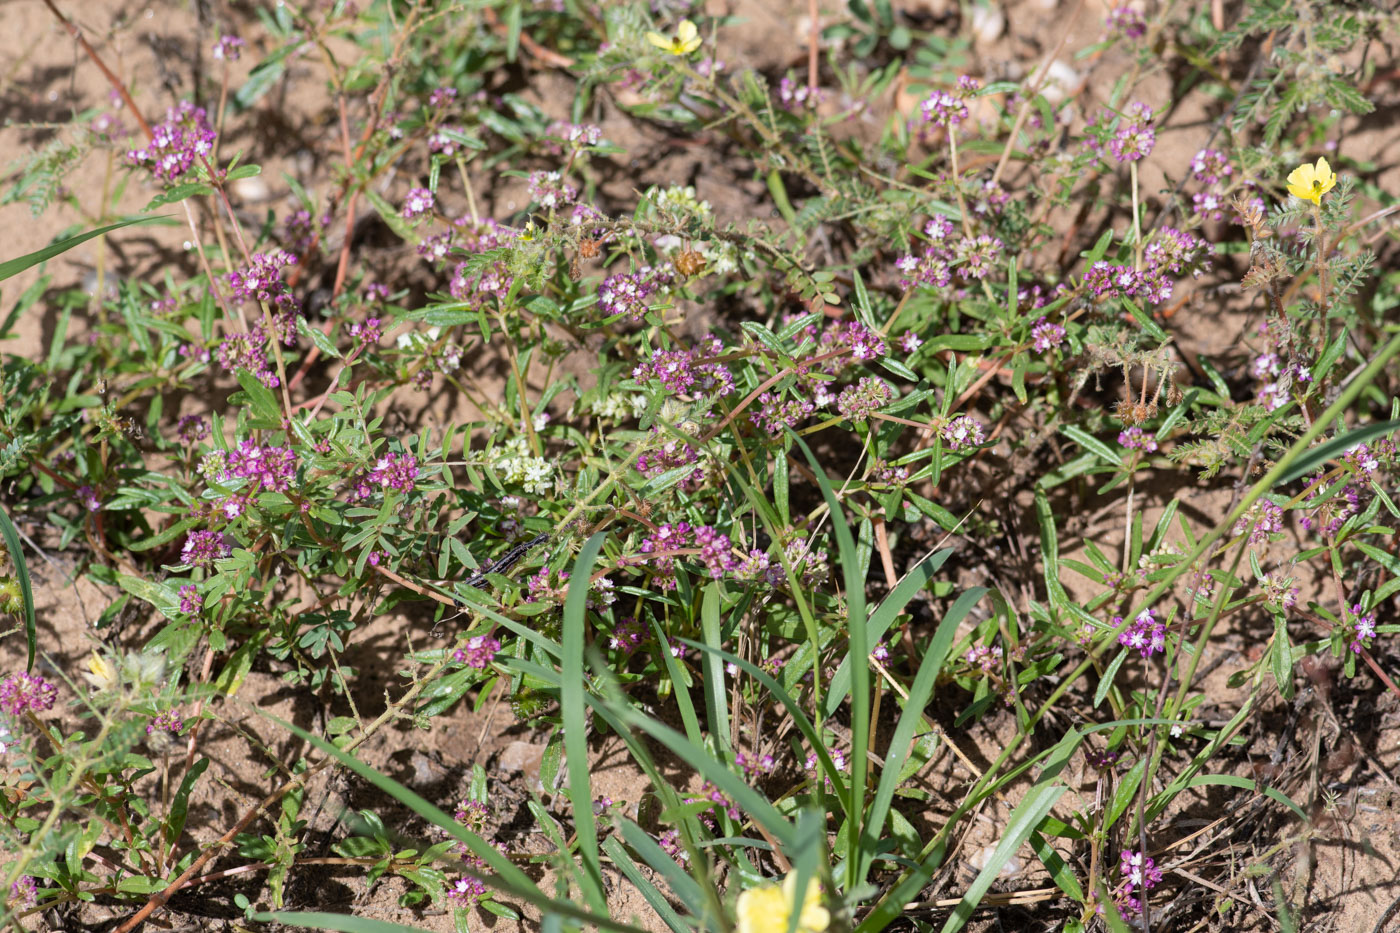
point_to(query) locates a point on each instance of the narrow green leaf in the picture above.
(574, 715)
(14, 267)
(26, 592)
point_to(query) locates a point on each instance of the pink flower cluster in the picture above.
(261, 278)
(796, 95)
(689, 372)
(190, 599)
(1139, 873)
(629, 293)
(478, 652)
(1047, 335)
(1211, 168)
(1171, 252)
(228, 48)
(1129, 137)
(169, 721)
(1365, 459)
(670, 453)
(475, 288)
(1145, 634)
(659, 548)
(22, 692)
(1263, 519)
(1127, 22)
(175, 144)
(575, 135)
(945, 108)
(1363, 624)
(962, 431)
(1135, 438)
(858, 402)
(272, 468)
(248, 351)
(202, 548)
(420, 201)
(550, 190)
(970, 257)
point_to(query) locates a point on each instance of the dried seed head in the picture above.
(588, 249)
(689, 263)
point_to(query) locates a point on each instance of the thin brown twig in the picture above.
(112, 79)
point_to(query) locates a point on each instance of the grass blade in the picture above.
(575, 721)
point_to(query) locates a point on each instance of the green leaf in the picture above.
(1317, 456)
(574, 714)
(165, 598)
(178, 193)
(260, 397)
(1029, 813)
(1089, 442)
(14, 267)
(26, 592)
(179, 805)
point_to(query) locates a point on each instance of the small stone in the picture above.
(250, 190)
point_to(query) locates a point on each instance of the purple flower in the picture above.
(23, 692)
(1145, 635)
(190, 599)
(943, 109)
(420, 201)
(228, 48)
(1364, 626)
(261, 278)
(168, 721)
(192, 429)
(962, 431)
(88, 497)
(689, 371)
(1127, 21)
(550, 190)
(776, 413)
(979, 255)
(1135, 438)
(23, 892)
(793, 95)
(202, 548)
(466, 892)
(1046, 336)
(1210, 167)
(442, 96)
(478, 652)
(858, 402)
(476, 288)
(175, 144)
(1264, 518)
(910, 341)
(628, 293)
(272, 468)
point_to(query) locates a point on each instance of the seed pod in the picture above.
(689, 263)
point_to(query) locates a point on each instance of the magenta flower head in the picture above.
(419, 202)
(228, 48)
(23, 692)
(202, 548)
(478, 652)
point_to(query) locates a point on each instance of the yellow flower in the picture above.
(104, 674)
(685, 41)
(1311, 182)
(768, 908)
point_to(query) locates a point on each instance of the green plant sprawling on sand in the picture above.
(925, 500)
